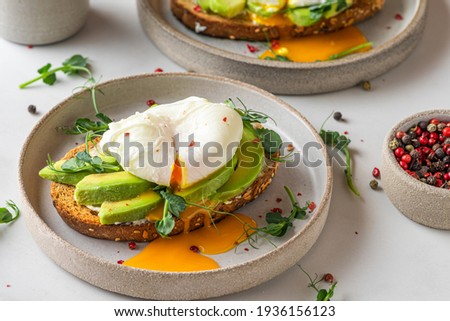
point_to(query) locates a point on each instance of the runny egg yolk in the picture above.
(184, 252)
(317, 47)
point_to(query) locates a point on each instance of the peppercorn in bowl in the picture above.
(416, 167)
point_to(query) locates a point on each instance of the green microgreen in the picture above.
(75, 65)
(173, 206)
(269, 138)
(5, 214)
(322, 294)
(335, 140)
(277, 224)
(351, 51)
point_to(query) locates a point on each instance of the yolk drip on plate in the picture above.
(318, 47)
(184, 252)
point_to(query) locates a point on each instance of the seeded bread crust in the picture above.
(243, 29)
(86, 221)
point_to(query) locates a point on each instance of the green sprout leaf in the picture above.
(5, 214)
(336, 140)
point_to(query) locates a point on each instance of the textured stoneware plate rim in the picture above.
(401, 126)
(351, 59)
(33, 217)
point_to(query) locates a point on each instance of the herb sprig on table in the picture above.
(5, 214)
(322, 294)
(336, 140)
(75, 65)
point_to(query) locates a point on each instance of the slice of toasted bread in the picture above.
(244, 29)
(86, 221)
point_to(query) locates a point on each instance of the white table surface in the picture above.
(373, 251)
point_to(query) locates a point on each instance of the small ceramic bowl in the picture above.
(422, 203)
(41, 22)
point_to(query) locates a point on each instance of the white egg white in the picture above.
(147, 144)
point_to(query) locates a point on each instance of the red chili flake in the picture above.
(150, 102)
(197, 8)
(159, 70)
(279, 199)
(191, 144)
(252, 48)
(132, 245)
(277, 210)
(120, 262)
(30, 46)
(398, 16)
(376, 172)
(299, 194)
(275, 44)
(8, 285)
(76, 143)
(256, 140)
(328, 278)
(260, 216)
(346, 133)
(312, 206)
(246, 249)
(194, 249)
(224, 119)
(127, 134)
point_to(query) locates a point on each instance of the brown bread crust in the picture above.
(243, 29)
(86, 221)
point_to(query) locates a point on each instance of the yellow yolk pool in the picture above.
(184, 252)
(318, 47)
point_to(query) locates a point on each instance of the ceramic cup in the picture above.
(40, 22)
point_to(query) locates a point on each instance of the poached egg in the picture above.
(179, 143)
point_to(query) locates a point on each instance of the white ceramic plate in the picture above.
(95, 261)
(393, 41)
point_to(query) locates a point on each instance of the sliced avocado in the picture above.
(209, 185)
(227, 8)
(302, 17)
(307, 16)
(263, 9)
(67, 177)
(204, 4)
(98, 188)
(250, 159)
(129, 210)
(62, 177)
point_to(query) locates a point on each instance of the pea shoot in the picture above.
(5, 213)
(336, 140)
(75, 65)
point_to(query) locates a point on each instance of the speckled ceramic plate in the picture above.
(394, 39)
(95, 261)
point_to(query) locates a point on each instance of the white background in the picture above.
(373, 251)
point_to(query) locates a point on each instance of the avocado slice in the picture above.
(250, 159)
(265, 9)
(98, 188)
(62, 177)
(307, 16)
(209, 185)
(204, 4)
(227, 8)
(67, 177)
(129, 210)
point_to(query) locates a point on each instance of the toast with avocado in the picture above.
(261, 20)
(100, 193)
